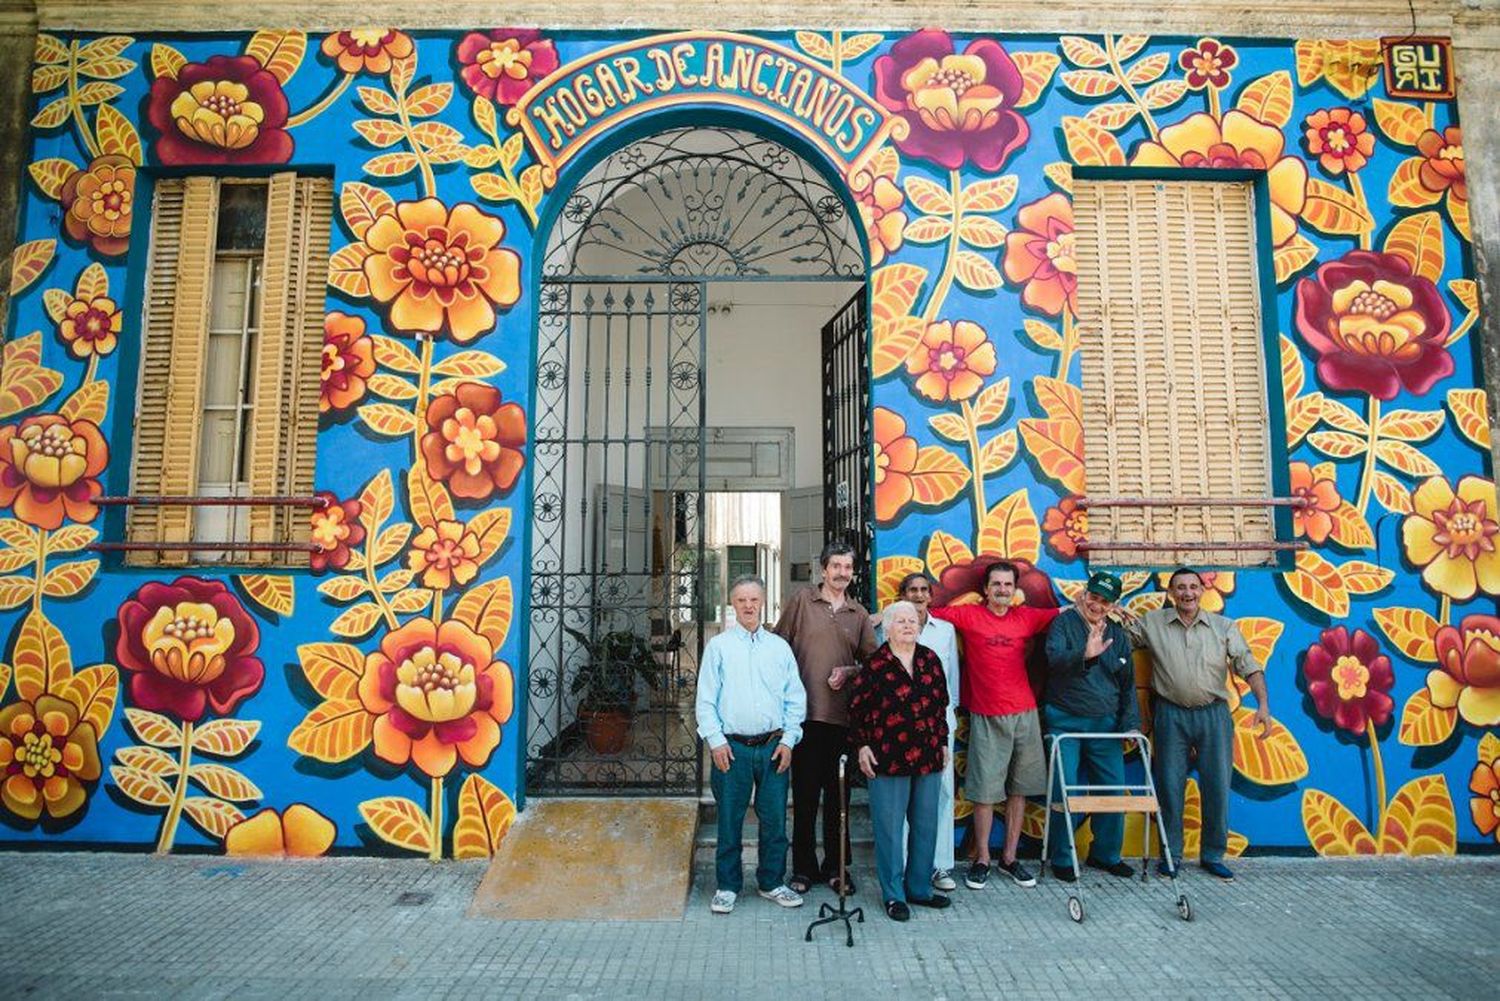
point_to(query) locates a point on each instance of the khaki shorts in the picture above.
(1005, 757)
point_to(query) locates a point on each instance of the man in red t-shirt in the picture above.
(1005, 757)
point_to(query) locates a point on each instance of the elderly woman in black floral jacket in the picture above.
(898, 715)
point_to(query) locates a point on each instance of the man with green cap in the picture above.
(1091, 689)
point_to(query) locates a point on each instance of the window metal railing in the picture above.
(207, 545)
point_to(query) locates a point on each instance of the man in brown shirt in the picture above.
(831, 636)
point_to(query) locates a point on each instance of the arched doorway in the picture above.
(628, 446)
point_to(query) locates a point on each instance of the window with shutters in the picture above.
(1182, 458)
(232, 345)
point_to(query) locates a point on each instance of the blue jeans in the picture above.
(1095, 762)
(910, 801)
(1210, 731)
(752, 767)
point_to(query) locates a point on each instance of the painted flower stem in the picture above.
(92, 372)
(1069, 345)
(435, 835)
(179, 794)
(950, 259)
(1445, 610)
(1215, 108)
(323, 104)
(838, 53)
(83, 126)
(424, 390)
(1379, 777)
(977, 479)
(1461, 329)
(437, 606)
(526, 206)
(41, 569)
(1357, 189)
(385, 606)
(1130, 91)
(1367, 478)
(429, 183)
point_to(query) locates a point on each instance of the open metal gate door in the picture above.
(848, 498)
(617, 538)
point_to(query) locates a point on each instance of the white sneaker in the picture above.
(942, 879)
(723, 901)
(783, 895)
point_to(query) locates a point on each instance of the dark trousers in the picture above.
(1207, 731)
(751, 769)
(903, 809)
(815, 777)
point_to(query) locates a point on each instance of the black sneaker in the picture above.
(1018, 873)
(1065, 873)
(1122, 869)
(897, 911)
(937, 902)
(977, 876)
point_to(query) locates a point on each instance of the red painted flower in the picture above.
(348, 360)
(227, 110)
(1349, 679)
(895, 461)
(47, 753)
(370, 49)
(1339, 138)
(1317, 488)
(436, 694)
(957, 107)
(49, 469)
(98, 204)
(1376, 326)
(1039, 255)
(503, 64)
(334, 529)
(1468, 675)
(1067, 525)
(91, 327)
(1443, 162)
(190, 647)
(1208, 64)
(474, 441)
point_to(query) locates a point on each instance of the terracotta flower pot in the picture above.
(605, 732)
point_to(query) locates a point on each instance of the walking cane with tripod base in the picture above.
(826, 913)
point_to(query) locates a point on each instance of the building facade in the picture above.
(438, 307)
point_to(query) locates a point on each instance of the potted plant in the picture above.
(606, 684)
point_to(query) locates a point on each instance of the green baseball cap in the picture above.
(1106, 585)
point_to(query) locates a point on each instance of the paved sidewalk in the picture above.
(94, 925)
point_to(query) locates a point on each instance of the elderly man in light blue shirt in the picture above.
(941, 638)
(750, 709)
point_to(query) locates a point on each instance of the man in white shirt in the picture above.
(941, 638)
(750, 709)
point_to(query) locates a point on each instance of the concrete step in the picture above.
(861, 832)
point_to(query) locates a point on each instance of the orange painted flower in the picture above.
(1484, 805)
(445, 554)
(1067, 526)
(474, 441)
(348, 360)
(49, 469)
(369, 49)
(1443, 162)
(335, 529)
(1039, 255)
(1317, 488)
(1468, 675)
(1452, 536)
(437, 696)
(1339, 138)
(874, 189)
(91, 327)
(441, 270)
(300, 832)
(1240, 142)
(98, 203)
(895, 460)
(47, 753)
(952, 360)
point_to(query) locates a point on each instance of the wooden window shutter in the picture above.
(1174, 378)
(266, 386)
(171, 386)
(303, 358)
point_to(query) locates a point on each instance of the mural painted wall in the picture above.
(373, 703)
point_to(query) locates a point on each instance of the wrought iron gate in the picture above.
(617, 538)
(848, 501)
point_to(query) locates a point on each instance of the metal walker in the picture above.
(1138, 797)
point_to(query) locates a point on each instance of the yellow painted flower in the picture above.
(445, 554)
(952, 361)
(300, 832)
(1452, 536)
(1239, 142)
(1468, 675)
(47, 753)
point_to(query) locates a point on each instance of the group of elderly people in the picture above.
(779, 707)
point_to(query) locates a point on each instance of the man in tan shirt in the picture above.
(831, 636)
(1192, 653)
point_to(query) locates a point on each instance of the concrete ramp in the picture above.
(592, 860)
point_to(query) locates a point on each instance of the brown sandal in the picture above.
(799, 884)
